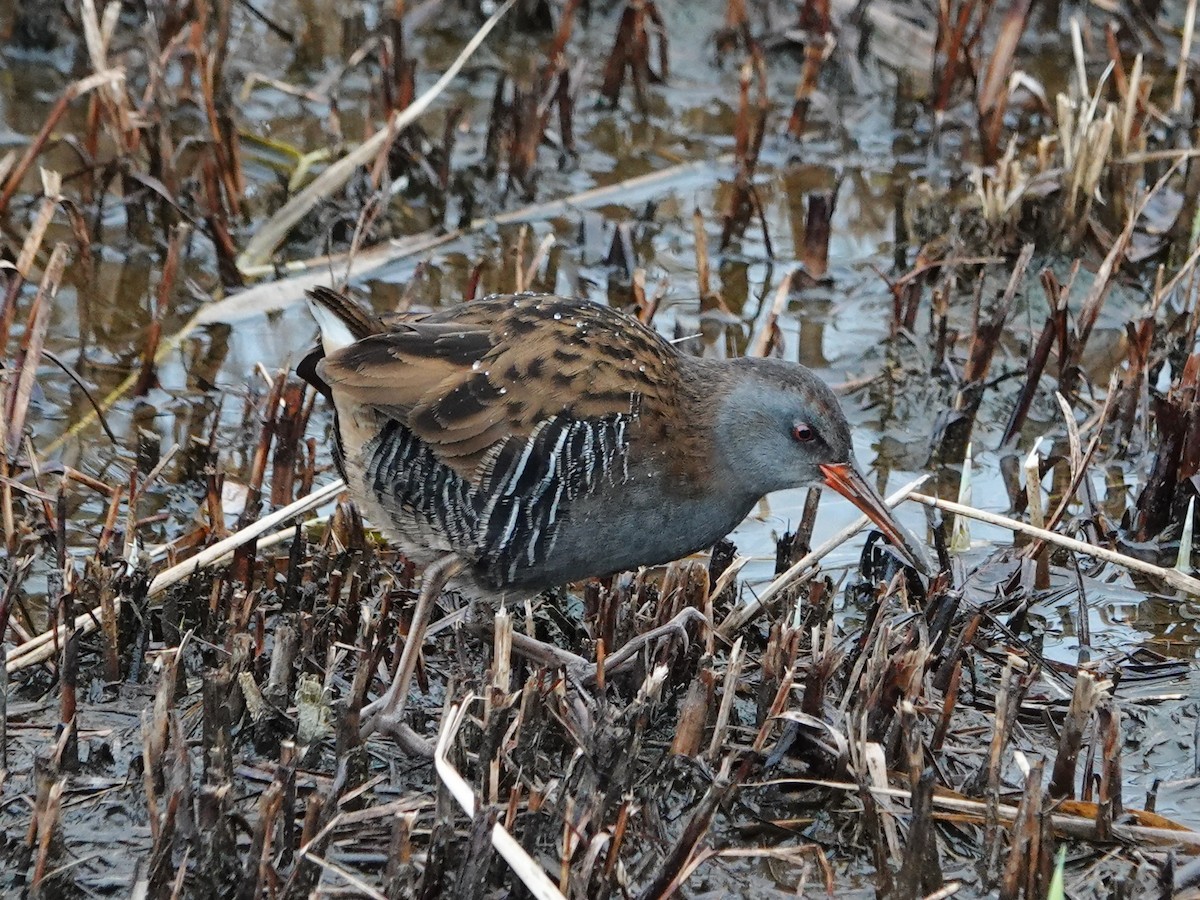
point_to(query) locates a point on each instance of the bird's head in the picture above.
(779, 426)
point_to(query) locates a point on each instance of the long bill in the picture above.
(850, 483)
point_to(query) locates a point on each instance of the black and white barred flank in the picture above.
(403, 472)
(510, 519)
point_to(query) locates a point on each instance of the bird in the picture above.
(519, 442)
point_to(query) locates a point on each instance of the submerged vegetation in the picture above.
(981, 220)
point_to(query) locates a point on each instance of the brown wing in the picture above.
(466, 379)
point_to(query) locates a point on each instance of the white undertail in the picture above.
(335, 334)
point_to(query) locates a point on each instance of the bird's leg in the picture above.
(550, 655)
(387, 710)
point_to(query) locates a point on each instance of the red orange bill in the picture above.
(851, 484)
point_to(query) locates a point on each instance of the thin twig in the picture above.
(765, 322)
(260, 247)
(1175, 579)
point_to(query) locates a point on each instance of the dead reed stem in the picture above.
(42, 647)
(272, 233)
(532, 875)
(16, 406)
(1172, 577)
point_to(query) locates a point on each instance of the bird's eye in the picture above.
(802, 433)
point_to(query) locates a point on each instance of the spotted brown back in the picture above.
(466, 379)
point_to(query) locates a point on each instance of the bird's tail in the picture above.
(343, 321)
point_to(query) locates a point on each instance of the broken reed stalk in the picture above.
(16, 404)
(749, 128)
(694, 710)
(260, 247)
(765, 323)
(1065, 824)
(1185, 49)
(733, 671)
(798, 573)
(162, 298)
(631, 51)
(291, 419)
(951, 58)
(700, 244)
(1087, 693)
(986, 339)
(817, 27)
(30, 247)
(1023, 869)
(818, 230)
(42, 646)
(1172, 577)
(992, 101)
(105, 578)
(73, 91)
(1054, 329)
(532, 875)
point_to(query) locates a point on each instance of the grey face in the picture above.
(779, 425)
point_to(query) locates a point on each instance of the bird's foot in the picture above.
(585, 671)
(676, 627)
(387, 713)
